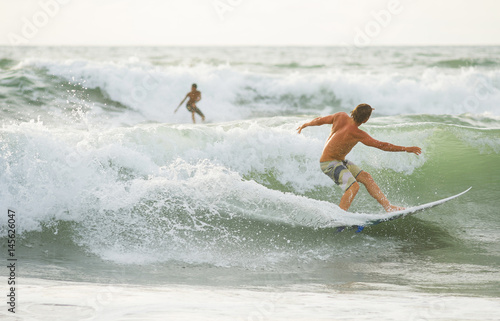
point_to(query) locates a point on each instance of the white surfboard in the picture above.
(408, 211)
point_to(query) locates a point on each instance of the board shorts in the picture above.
(195, 109)
(343, 173)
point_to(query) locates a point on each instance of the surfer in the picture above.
(194, 97)
(345, 134)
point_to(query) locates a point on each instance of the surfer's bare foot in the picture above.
(393, 208)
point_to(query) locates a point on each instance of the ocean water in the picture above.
(127, 211)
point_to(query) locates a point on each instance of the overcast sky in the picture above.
(249, 22)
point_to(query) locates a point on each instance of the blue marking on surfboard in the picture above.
(360, 229)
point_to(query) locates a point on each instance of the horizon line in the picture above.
(249, 45)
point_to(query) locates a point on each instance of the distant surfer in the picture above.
(344, 135)
(194, 97)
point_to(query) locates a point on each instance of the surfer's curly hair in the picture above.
(361, 113)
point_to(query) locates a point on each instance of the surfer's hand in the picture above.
(299, 129)
(415, 150)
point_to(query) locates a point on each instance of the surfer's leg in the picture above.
(198, 111)
(348, 197)
(192, 114)
(341, 175)
(375, 191)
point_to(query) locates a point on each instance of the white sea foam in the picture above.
(46, 300)
(172, 183)
(152, 92)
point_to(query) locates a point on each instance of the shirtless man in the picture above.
(194, 97)
(344, 135)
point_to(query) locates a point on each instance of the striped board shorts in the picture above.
(343, 173)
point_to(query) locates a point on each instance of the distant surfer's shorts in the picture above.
(192, 108)
(343, 173)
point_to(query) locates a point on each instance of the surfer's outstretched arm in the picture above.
(181, 103)
(317, 122)
(388, 147)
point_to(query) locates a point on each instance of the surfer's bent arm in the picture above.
(181, 103)
(388, 147)
(317, 122)
(184, 99)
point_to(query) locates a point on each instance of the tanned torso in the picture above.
(344, 135)
(194, 97)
